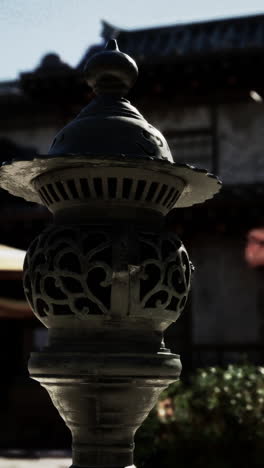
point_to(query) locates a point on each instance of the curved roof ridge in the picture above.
(111, 31)
(170, 42)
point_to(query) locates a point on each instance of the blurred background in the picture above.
(201, 83)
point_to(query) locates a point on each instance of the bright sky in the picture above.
(31, 28)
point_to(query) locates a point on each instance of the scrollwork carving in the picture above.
(68, 270)
(87, 270)
(165, 272)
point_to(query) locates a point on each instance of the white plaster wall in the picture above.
(178, 118)
(198, 154)
(241, 139)
(225, 293)
(240, 136)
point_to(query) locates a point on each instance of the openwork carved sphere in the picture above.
(79, 271)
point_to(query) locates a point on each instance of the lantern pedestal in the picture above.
(103, 398)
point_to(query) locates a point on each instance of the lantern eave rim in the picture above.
(16, 175)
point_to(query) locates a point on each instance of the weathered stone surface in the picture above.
(103, 397)
(74, 272)
(107, 295)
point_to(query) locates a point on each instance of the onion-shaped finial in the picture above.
(111, 71)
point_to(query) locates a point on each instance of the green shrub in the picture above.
(216, 421)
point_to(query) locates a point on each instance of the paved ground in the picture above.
(37, 463)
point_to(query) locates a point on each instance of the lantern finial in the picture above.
(112, 45)
(111, 71)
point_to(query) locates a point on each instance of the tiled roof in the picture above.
(239, 34)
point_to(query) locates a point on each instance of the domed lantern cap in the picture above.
(109, 132)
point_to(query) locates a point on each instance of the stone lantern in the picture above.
(106, 278)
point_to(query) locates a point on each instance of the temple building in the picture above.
(202, 85)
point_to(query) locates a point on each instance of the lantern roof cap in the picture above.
(109, 132)
(109, 124)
